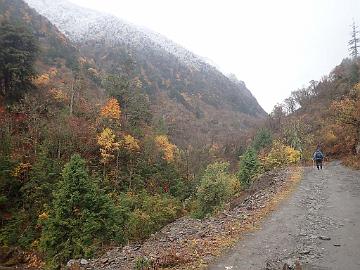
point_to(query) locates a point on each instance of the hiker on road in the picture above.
(318, 158)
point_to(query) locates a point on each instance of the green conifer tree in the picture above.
(18, 51)
(262, 139)
(43, 175)
(81, 217)
(249, 167)
(9, 193)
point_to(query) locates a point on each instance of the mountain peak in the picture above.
(183, 88)
(82, 24)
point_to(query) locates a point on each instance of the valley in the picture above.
(121, 149)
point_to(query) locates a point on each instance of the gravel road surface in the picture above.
(318, 226)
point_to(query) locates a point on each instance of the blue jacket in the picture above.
(315, 154)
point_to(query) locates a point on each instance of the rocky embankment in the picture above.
(192, 244)
(317, 228)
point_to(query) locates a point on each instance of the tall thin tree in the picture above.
(354, 42)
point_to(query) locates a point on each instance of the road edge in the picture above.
(253, 222)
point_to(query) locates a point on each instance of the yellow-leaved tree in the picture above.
(279, 155)
(166, 147)
(108, 145)
(42, 80)
(130, 143)
(111, 110)
(58, 94)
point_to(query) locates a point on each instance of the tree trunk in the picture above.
(72, 98)
(117, 161)
(2, 87)
(130, 179)
(357, 146)
(59, 150)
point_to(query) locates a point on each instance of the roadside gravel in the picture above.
(318, 227)
(189, 243)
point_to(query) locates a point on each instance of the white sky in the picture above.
(275, 46)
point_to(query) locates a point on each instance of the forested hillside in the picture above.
(86, 162)
(195, 101)
(102, 145)
(325, 113)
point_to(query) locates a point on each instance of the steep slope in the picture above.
(56, 51)
(193, 97)
(65, 112)
(53, 43)
(57, 67)
(325, 113)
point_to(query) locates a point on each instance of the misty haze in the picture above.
(179, 134)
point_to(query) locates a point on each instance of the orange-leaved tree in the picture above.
(111, 110)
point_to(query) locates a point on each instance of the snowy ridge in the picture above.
(80, 24)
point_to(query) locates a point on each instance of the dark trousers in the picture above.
(318, 164)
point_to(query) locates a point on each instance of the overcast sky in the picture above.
(273, 46)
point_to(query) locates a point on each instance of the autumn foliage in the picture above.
(280, 155)
(327, 113)
(347, 113)
(108, 145)
(60, 140)
(42, 80)
(166, 147)
(111, 109)
(125, 181)
(130, 143)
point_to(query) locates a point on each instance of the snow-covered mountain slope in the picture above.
(81, 25)
(193, 97)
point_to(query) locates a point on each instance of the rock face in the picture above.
(184, 89)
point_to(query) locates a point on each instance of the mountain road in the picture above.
(318, 227)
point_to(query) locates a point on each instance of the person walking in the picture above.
(318, 158)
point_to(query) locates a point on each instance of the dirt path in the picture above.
(319, 226)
